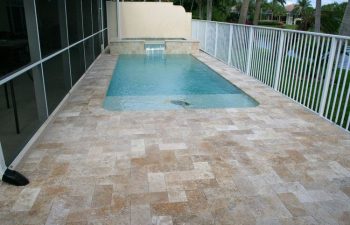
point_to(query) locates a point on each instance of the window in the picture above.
(77, 62)
(52, 25)
(57, 80)
(87, 15)
(19, 117)
(89, 51)
(74, 20)
(14, 47)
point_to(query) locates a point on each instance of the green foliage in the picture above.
(272, 23)
(222, 9)
(307, 19)
(302, 7)
(290, 27)
(331, 17)
(251, 9)
(277, 9)
(331, 14)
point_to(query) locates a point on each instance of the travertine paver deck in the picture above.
(273, 164)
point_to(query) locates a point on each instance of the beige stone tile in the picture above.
(102, 195)
(26, 199)
(162, 220)
(276, 163)
(172, 146)
(177, 196)
(58, 213)
(295, 207)
(140, 214)
(156, 182)
(172, 208)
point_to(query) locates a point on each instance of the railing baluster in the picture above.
(323, 75)
(265, 57)
(230, 47)
(286, 62)
(292, 62)
(313, 85)
(216, 40)
(254, 59)
(279, 60)
(205, 36)
(328, 76)
(259, 54)
(346, 102)
(306, 68)
(295, 67)
(251, 32)
(339, 78)
(344, 82)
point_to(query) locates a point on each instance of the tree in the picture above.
(301, 7)
(244, 12)
(274, 7)
(331, 17)
(257, 12)
(200, 8)
(274, 4)
(209, 9)
(318, 16)
(345, 25)
(306, 12)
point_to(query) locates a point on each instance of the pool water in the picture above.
(161, 82)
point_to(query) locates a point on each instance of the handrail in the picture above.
(312, 69)
(273, 28)
(10, 76)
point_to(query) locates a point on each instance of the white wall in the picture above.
(111, 20)
(151, 20)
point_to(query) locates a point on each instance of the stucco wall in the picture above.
(111, 8)
(151, 20)
(138, 47)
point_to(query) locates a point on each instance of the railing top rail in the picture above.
(279, 29)
(12, 75)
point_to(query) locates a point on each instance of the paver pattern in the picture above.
(277, 163)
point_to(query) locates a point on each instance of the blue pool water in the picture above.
(148, 82)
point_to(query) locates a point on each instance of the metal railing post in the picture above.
(216, 39)
(327, 79)
(197, 27)
(230, 46)
(250, 49)
(279, 61)
(205, 36)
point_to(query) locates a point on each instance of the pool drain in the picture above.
(180, 103)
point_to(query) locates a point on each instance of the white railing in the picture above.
(310, 68)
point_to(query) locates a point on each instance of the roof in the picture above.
(290, 7)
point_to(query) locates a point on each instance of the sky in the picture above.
(313, 2)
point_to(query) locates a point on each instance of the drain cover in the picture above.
(180, 102)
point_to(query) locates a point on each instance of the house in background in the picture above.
(291, 18)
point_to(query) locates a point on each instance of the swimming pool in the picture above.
(161, 82)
